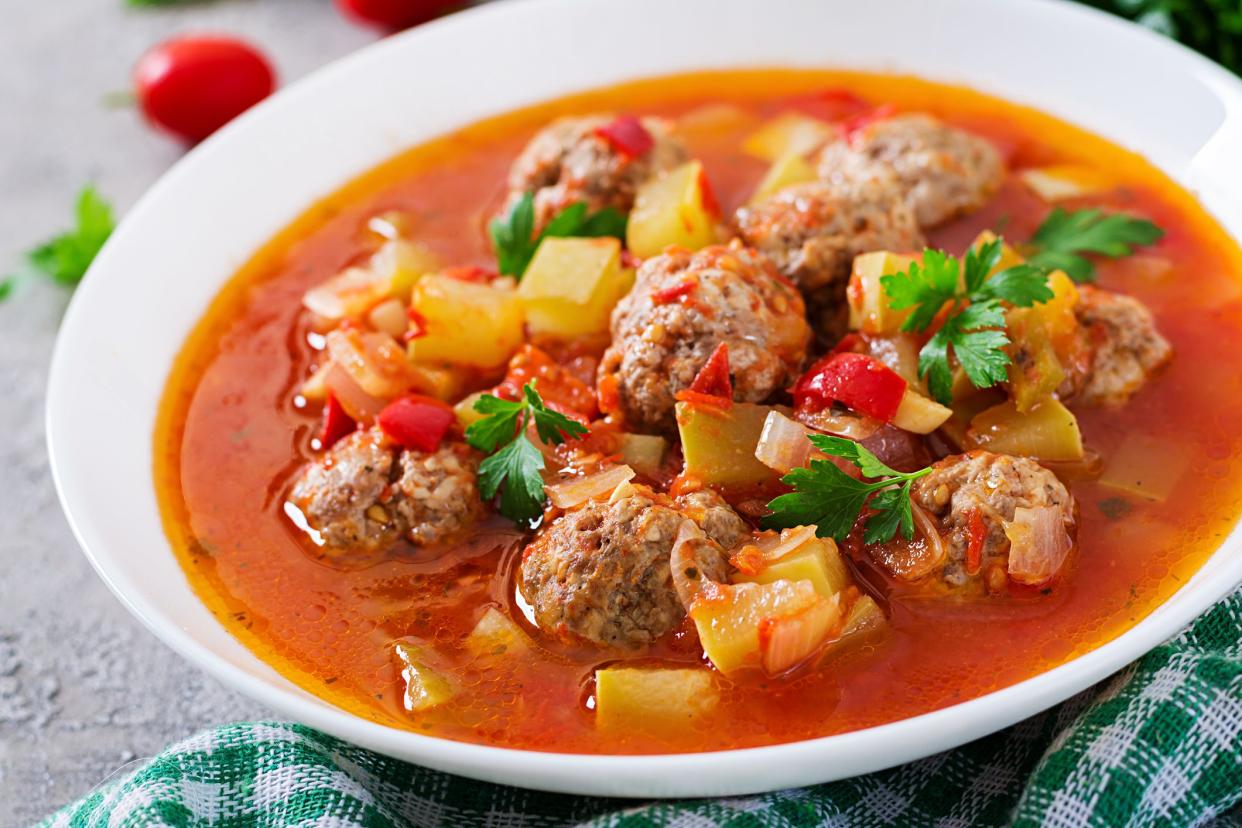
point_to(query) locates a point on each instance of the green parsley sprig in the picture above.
(514, 466)
(973, 328)
(831, 500)
(1064, 236)
(65, 258)
(513, 235)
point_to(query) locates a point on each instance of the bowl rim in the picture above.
(745, 770)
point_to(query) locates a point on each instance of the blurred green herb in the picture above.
(65, 258)
(1213, 27)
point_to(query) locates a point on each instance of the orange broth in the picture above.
(230, 437)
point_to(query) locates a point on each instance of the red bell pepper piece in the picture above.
(627, 135)
(336, 423)
(832, 104)
(852, 126)
(674, 293)
(858, 381)
(713, 378)
(416, 422)
(711, 205)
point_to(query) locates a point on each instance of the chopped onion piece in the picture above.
(345, 294)
(581, 489)
(389, 317)
(315, 389)
(919, 415)
(788, 640)
(925, 526)
(1038, 544)
(357, 403)
(374, 360)
(853, 426)
(775, 546)
(684, 562)
(783, 443)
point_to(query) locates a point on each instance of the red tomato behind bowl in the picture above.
(191, 86)
(394, 15)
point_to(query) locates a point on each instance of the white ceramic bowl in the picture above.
(204, 219)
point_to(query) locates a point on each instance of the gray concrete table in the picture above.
(84, 689)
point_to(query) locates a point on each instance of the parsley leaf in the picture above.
(831, 500)
(65, 258)
(973, 328)
(514, 240)
(1064, 235)
(515, 465)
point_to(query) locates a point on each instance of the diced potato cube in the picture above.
(401, 263)
(1008, 258)
(466, 415)
(571, 286)
(862, 622)
(424, 686)
(729, 620)
(1035, 372)
(1049, 431)
(965, 409)
(785, 171)
(868, 303)
(1058, 182)
(1145, 467)
(496, 634)
(442, 382)
(817, 561)
(644, 453)
(673, 209)
(719, 443)
(465, 323)
(790, 134)
(636, 697)
(918, 414)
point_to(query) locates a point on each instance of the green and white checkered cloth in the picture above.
(1160, 743)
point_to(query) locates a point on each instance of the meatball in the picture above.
(813, 231)
(1125, 347)
(340, 495)
(943, 171)
(715, 517)
(979, 491)
(682, 306)
(600, 573)
(438, 492)
(366, 492)
(569, 161)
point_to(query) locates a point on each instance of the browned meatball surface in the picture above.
(982, 489)
(366, 492)
(569, 161)
(600, 573)
(682, 306)
(813, 231)
(1125, 347)
(438, 492)
(943, 171)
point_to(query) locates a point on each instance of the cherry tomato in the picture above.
(394, 15)
(193, 85)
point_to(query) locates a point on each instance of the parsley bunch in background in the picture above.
(65, 258)
(1213, 27)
